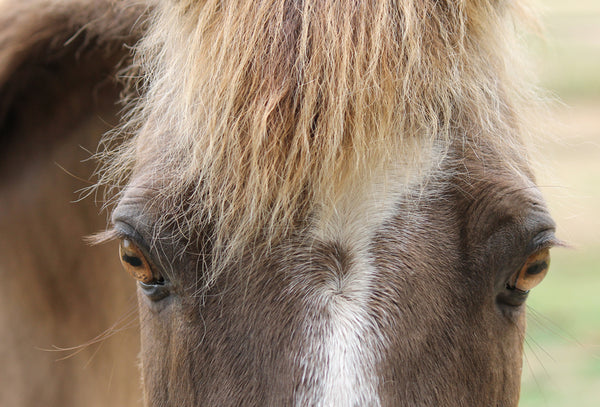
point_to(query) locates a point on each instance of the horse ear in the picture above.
(49, 49)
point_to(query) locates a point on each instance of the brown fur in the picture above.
(252, 126)
(439, 262)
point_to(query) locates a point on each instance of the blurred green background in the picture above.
(562, 350)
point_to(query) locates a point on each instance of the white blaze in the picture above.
(343, 343)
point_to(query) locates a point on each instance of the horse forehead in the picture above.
(357, 247)
(377, 224)
(342, 327)
(352, 214)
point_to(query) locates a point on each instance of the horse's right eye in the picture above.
(532, 272)
(134, 262)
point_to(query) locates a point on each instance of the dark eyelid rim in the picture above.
(123, 230)
(545, 239)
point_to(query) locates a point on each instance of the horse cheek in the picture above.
(154, 365)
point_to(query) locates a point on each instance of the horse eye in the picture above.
(532, 273)
(134, 262)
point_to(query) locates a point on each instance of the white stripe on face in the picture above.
(342, 341)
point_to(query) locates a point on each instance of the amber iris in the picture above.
(134, 262)
(533, 271)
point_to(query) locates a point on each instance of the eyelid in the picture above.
(545, 239)
(123, 230)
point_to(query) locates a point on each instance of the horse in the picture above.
(320, 203)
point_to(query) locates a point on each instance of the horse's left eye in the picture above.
(532, 273)
(134, 262)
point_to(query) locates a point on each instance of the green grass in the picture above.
(562, 351)
(570, 295)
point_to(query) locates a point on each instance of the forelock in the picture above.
(252, 114)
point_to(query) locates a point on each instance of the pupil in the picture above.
(537, 268)
(132, 260)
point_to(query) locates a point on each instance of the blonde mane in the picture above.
(253, 113)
